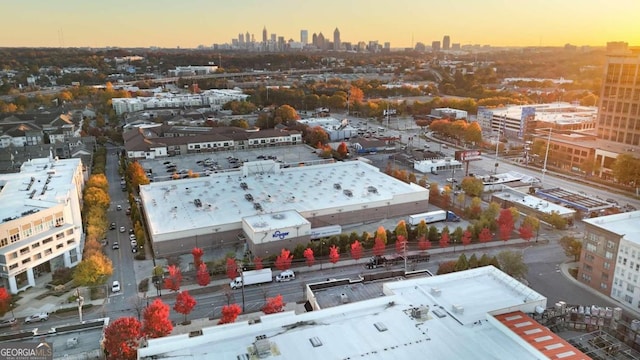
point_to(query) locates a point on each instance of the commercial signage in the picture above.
(280, 235)
(468, 155)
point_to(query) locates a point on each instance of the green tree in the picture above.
(462, 263)
(473, 261)
(626, 169)
(401, 230)
(512, 263)
(433, 235)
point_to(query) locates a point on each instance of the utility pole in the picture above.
(80, 301)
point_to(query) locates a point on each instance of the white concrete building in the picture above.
(336, 129)
(474, 314)
(214, 98)
(41, 228)
(262, 198)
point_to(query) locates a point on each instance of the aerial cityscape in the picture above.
(296, 180)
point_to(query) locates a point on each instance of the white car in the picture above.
(115, 286)
(122, 229)
(43, 316)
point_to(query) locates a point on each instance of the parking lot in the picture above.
(203, 164)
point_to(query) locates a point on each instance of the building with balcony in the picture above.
(41, 228)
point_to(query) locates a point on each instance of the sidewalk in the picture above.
(344, 262)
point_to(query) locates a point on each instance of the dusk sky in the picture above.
(189, 23)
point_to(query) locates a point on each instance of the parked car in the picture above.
(134, 243)
(43, 316)
(112, 226)
(8, 323)
(134, 249)
(122, 229)
(115, 286)
(115, 245)
(132, 237)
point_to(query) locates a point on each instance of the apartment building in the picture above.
(610, 258)
(619, 115)
(41, 227)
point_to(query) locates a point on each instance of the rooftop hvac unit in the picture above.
(262, 346)
(436, 291)
(457, 309)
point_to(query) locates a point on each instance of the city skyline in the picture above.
(190, 23)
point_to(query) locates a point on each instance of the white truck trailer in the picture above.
(252, 277)
(433, 216)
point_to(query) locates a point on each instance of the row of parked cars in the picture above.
(39, 317)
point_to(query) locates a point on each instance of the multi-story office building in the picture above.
(41, 228)
(336, 39)
(435, 46)
(446, 41)
(619, 113)
(610, 258)
(304, 37)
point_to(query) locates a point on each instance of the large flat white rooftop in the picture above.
(411, 321)
(625, 224)
(223, 197)
(40, 184)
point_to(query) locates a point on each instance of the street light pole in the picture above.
(242, 279)
(546, 156)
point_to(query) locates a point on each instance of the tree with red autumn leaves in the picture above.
(156, 322)
(342, 150)
(401, 243)
(5, 301)
(526, 231)
(356, 250)
(283, 261)
(466, 238)
(423, 243)
(334, 254)
(197, 256)
(173, 281)
(121, 338)
(273, 305)
(505, 224)
(257, 263)
(230, 314)
(184, 304)
(485, 235)
(202, 276)
(308, 255)
(444, 239)
(378, 247)
(232, 268)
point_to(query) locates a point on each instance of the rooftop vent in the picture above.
(197, 203)
(372, 189)
(337, 186)
(380, 326)
(347, 192)
(257, 206)
(278, 216)
(315, 341)
(244, 186)
(457, 309)
(248, 197)
(435, 291)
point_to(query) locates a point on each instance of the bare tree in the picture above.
(138, 304)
